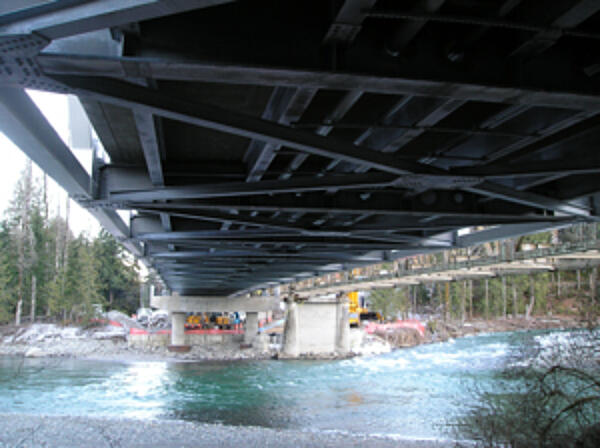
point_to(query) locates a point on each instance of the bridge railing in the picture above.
(470, 263)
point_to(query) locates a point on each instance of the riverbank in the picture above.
(110, 343)
(74, 432)
(445, 331)
(441, 331)
(416, 393)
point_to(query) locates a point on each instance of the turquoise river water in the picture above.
(409, 393)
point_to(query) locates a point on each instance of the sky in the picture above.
(55, 109)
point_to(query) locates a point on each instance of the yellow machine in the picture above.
(197, 320)
(358, 310)
(208, 320)
(223, 321)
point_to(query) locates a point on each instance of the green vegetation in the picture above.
(571, 292)
(47, 272)
(555, 402)
(390, 302)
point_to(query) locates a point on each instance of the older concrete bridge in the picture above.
(562, 257)
(265, 141)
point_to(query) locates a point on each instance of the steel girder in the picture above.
(252, 159)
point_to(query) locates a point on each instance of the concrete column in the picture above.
(290, 330)
(251, 328)
(177, 328)
(342, 334)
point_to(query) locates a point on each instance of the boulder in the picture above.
(34, 352)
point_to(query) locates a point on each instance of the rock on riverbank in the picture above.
(80, 432)
(440, 331)
(111, 343)
(108, 343)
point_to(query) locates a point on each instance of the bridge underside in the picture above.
(264, 140)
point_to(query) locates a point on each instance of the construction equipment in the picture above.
(358, 310)
(223, 321)
(199, 320)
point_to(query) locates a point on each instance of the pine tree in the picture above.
(118, 274)
(7, 275)
(23, 237)
(81, 280)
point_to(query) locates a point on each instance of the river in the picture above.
(409, 393)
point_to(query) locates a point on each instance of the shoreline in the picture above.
(85, 431)
(86, 348)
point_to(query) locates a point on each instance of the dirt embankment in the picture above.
(109, 343)
(439, 330)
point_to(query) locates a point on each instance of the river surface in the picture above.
(409, 393)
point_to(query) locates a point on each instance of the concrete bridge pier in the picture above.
(290, 330)
(178, 306)
(317, 328)
(251, 329)
(178, 329)
(342, 337)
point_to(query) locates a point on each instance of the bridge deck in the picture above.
(568, 256)
(264, 140)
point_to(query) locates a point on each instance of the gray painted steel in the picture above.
(263, 141)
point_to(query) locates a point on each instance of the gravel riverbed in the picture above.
(73, 432)
(109, 343)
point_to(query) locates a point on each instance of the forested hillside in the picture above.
(47, 272)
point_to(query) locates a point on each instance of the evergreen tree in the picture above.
(118, 273)
(20, 219)
(7, 275)
(81, 280)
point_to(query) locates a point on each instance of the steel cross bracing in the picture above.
(265, 141)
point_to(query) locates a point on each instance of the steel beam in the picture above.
(23, 123)
(316, 257)
(558, 133)
(502, 192)
(343, 106)
(240, 189)
(577, 14)
(407, 32)
(282, 108)
(348, 21)
(352, 204)
(204, 115)
(522, 170)
(149, 139)
(100, 14)
(127, 95)
(198, 71)
(507, 231)
(439, 112)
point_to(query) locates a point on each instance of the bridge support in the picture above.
(177, 330)
(342, 337)
(317, 329)
(290, 332)
(251, 329)
(208, 304)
